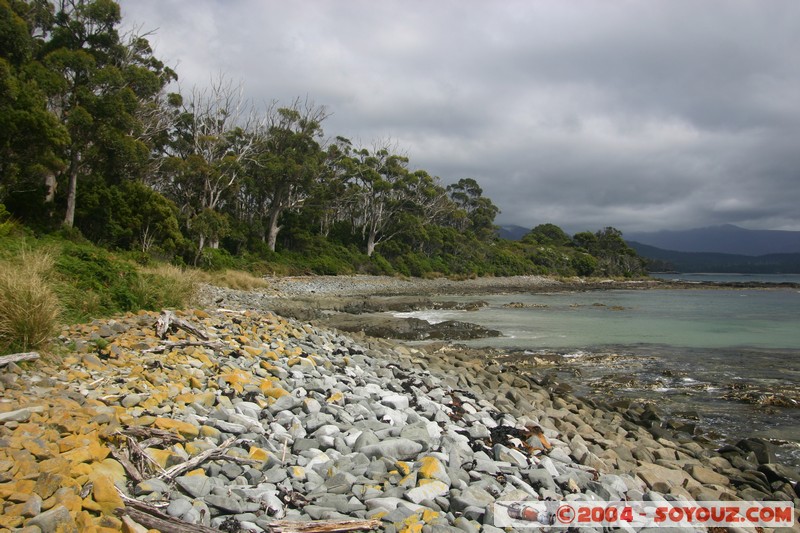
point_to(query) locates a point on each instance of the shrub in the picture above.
(584, 264)
(29, 309)
(85, 269)
(7, 224)
(216, 259)
(382, 266)
(328, 266)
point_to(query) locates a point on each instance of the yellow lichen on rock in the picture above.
(184, 428)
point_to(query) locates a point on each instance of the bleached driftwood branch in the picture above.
(169, 321)
(17, 357)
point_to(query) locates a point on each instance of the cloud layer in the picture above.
(662, 114)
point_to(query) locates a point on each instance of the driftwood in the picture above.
(133, 472)
(169, 321)
(197, 460)
(151, 518)
(137, 459)
(17, 357)
(153, 435)
(323, 526)
(183, 344)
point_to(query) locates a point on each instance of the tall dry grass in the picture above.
(29, 309)
(167, 285)
(234, 279)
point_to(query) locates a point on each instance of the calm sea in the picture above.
(728, 360)
(729, 278)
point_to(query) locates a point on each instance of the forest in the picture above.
(95, 145)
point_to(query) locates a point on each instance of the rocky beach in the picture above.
(252, 413)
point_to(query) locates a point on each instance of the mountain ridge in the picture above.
(724, 239)
(661, 260)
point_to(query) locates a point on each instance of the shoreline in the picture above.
(365, 285)
(273, 419)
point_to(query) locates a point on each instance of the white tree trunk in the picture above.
(72, 189)
(274, 228)
(371, 242)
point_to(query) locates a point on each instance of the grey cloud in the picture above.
(641, 115)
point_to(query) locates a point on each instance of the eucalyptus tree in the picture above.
(287, 164)
(381, 186)
(217, 133)
(31, 138)
(479, 210)
(96, 85)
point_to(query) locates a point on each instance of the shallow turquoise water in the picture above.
(681, 318)
(685, 348)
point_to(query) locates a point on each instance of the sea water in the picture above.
(728, 359)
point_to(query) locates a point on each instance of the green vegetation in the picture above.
(95, 151)
(29, 309)
(70, 281)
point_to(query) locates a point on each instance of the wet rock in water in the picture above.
(409, 328)
(763, 450)
(778, 472)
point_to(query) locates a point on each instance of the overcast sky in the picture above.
(643, 115)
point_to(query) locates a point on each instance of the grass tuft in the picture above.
(29, 309)
(235, 279)
(166, 285)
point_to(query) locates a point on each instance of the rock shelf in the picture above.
(270, 424)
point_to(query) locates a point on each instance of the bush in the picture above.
(216, 259)
(584, 264)
(29, 309)
(92, 273)
(327, 265)
(7, 224)
(382, 266)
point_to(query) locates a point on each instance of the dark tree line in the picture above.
(91, 139)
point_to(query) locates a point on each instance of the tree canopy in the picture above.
(91, 137)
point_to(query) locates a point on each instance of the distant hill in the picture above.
(726, 239)
(671, 260)
(512, 232)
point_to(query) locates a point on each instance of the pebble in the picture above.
(325, 426)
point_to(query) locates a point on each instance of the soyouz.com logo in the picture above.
(522, 514)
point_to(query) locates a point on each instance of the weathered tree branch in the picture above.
(126, 463)
(197, 460)
(17, 357)
(323, 526)
(152, 518)
(169, 321)
(182, 344)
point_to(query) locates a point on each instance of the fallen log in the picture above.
(17, 357)
(323, 526)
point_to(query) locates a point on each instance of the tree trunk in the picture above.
(273, 228)
(72, 188)
(201, 243)
(371, 242)
(50, 185)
